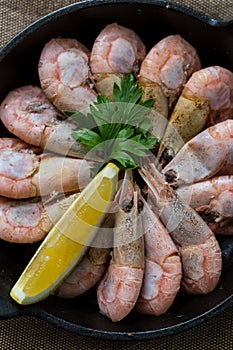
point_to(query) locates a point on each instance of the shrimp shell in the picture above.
(162, 274)
(169, 64)
(213, 199)
(206, 99)
(198, 248)
(116, 51)
(207, 154)
(64, 74)
(24, 174)
(28, 114)
(28, 221)
(118, 291)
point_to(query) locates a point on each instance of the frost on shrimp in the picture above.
(204, 156)
(116, 51)
(28, 114)
(28, 221)
(162, 274)
(199, 250)
(206, 99)
(65, 76)
(119, 289)
(25, 174)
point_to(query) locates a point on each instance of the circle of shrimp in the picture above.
(64, 74)
(65, 78)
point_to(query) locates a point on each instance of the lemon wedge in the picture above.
(67, 242)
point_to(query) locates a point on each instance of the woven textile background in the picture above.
(29, 333)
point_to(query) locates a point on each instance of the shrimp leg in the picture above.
(119, 289)
(162, 275)
(198, 248)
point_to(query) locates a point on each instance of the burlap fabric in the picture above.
(30, 333)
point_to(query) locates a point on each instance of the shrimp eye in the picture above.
(140, 205)
(127, 205)
(168, 154)
(170, 176)
(210, 216)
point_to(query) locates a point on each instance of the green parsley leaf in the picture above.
(87, 138)
(119, 129)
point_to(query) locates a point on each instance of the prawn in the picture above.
(116, 51)
(212, 199)
(28, 114)
(118, 290)
(162, 275)
(198, 248)
(25, 174)
(28, 221)
(207, 154)
(64, 74)
(207, 99)
(163, 73)
(169, 64)
(88, 272)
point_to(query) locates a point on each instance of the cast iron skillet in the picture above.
(152, 20)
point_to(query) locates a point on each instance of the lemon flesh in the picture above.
(68, 241)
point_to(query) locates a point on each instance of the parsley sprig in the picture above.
(119, 130)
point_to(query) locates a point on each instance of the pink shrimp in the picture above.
(213, 199)
(216, 85)
(24, 174)
(163, 73)
(206, 155)
(65, 76)
(119, 289)
(116, 51)
(162, 275)
(28, 221)
(28, 114)
(198, 248)
(169, 64)
(86, 274)
(206, 99)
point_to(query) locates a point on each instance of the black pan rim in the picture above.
(90, 3)
(129, 336)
